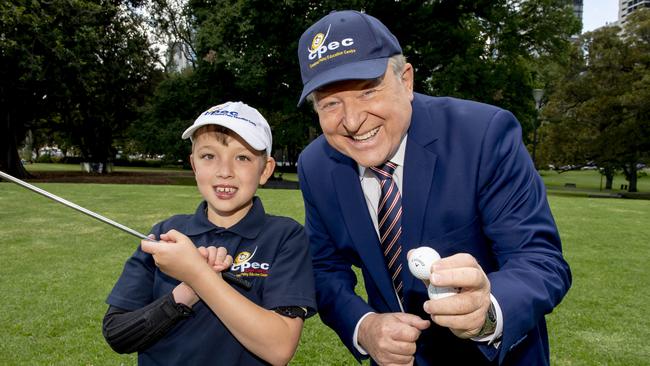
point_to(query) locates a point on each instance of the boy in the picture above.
(171, 304)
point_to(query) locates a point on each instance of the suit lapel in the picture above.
(359, 224)
(419, 168)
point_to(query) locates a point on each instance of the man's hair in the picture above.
(397, 63)
(221, 133)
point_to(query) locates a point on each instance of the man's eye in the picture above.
(329, 105)
(369, 92)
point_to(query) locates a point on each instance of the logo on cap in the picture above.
(318, 41)
(319, 49)
(220, 110)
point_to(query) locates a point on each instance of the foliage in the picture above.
(599, 112)
(489, 51)
(164, 117)
(73, 70)
(485, 50)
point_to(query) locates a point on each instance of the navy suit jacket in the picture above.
(469, 186)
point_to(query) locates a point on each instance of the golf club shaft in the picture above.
(229, 277)
(72, 205)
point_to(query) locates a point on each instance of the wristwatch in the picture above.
(490, 324)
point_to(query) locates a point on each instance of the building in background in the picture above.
(627, 7)
(577, 11)
(179, 57)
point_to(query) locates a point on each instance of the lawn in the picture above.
(591, 180)
(58, 266)
(49, 167)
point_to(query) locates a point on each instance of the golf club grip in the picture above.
(236, 281)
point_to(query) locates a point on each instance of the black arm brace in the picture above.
(134, 331)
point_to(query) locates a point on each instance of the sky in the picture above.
(597, 13)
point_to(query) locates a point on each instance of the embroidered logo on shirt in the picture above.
(244, 266)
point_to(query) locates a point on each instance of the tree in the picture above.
(167, 113)
(482, 50)
(77, 67)
(598, 113)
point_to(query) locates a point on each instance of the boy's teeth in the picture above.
(367, 135)
(225, 189)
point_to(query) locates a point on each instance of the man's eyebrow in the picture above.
(371, 83)
(360, 85)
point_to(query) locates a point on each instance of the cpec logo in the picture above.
(246, 267)
(319, 47)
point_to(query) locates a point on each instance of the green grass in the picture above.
(583, 179)
(57, 267)
(603, 320)
(591, 180)
(51, 167)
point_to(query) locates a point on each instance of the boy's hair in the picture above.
(221, 134)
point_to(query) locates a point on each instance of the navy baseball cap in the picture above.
(344, 45)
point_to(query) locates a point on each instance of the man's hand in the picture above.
(464, 313)
(390, 338)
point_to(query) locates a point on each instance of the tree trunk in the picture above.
(9, 158)
(631, 177)
(609, 181)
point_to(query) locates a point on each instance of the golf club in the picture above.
(227, 276)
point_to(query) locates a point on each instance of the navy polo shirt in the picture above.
(271, 252)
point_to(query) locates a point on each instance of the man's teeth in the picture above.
(367, 135)
(225, 190)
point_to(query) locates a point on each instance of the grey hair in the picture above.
(397, 63)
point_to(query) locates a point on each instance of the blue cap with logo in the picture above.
(344, 45)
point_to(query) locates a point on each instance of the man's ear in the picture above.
(267, 171)
(407, 76)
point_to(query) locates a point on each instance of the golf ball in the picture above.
(421, 260)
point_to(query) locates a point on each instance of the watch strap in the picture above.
(490, 324)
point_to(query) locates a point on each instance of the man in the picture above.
(458, 180)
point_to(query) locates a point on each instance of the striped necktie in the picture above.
(389, 222)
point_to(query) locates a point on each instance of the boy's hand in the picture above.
(217, 258)
(184, 294)
(176, 255)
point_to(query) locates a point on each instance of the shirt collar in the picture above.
(248, 227)
(397, 158)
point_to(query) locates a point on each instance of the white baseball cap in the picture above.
(242, 119)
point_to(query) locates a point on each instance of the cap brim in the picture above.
(238, 127)
(361, 70)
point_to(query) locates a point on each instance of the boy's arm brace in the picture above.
(131, 331)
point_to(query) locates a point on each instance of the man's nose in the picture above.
(354, 116)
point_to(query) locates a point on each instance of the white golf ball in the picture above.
(421, 260)
(436, 293)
